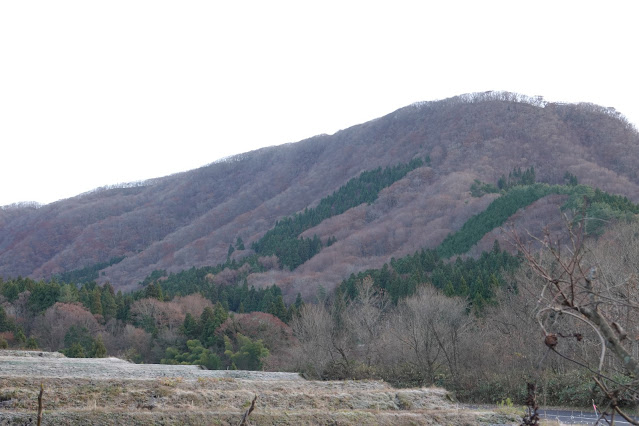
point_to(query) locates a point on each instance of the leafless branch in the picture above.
(244, 421)
(580, 318)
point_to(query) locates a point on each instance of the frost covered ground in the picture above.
(111, 391)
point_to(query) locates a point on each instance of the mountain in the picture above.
(190, 219)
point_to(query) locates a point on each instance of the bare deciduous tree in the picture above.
(167, 315)
(590, 284)
(314, 329)
(429, 327)
(51, 327)
(344, 333)
(364, 318)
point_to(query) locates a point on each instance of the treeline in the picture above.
(106, 303)
(598, 207)
(585, 199)
(206, 346)
(29, 299)
(478, 279)
(40, 295)
(430, 339)
(473, 279)
(292, 251)
(282, 241)
(516, 177)
(147, 326)
(86, 274)
(8, 325)
(236, 296)
(494, 216)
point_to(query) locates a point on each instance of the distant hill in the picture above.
(190, 219)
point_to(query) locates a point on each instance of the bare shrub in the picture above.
(315, 331)
(428, 329)
(51, 327)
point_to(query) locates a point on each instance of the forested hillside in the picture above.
(195, 219)
(395, 250)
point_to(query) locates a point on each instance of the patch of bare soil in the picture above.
(114, 392)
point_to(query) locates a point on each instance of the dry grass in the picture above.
(223, 400)
(78, 401)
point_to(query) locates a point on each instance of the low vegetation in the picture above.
(191, 396)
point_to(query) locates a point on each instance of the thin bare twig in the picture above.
(614, 403)
(564, 311)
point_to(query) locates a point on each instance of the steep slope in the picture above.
(189, 219)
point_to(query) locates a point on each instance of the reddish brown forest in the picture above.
(189, 219)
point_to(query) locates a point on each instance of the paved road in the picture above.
(577, 417)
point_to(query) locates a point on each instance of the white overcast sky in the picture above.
(94, 93)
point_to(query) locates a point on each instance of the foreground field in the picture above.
(111, 391)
